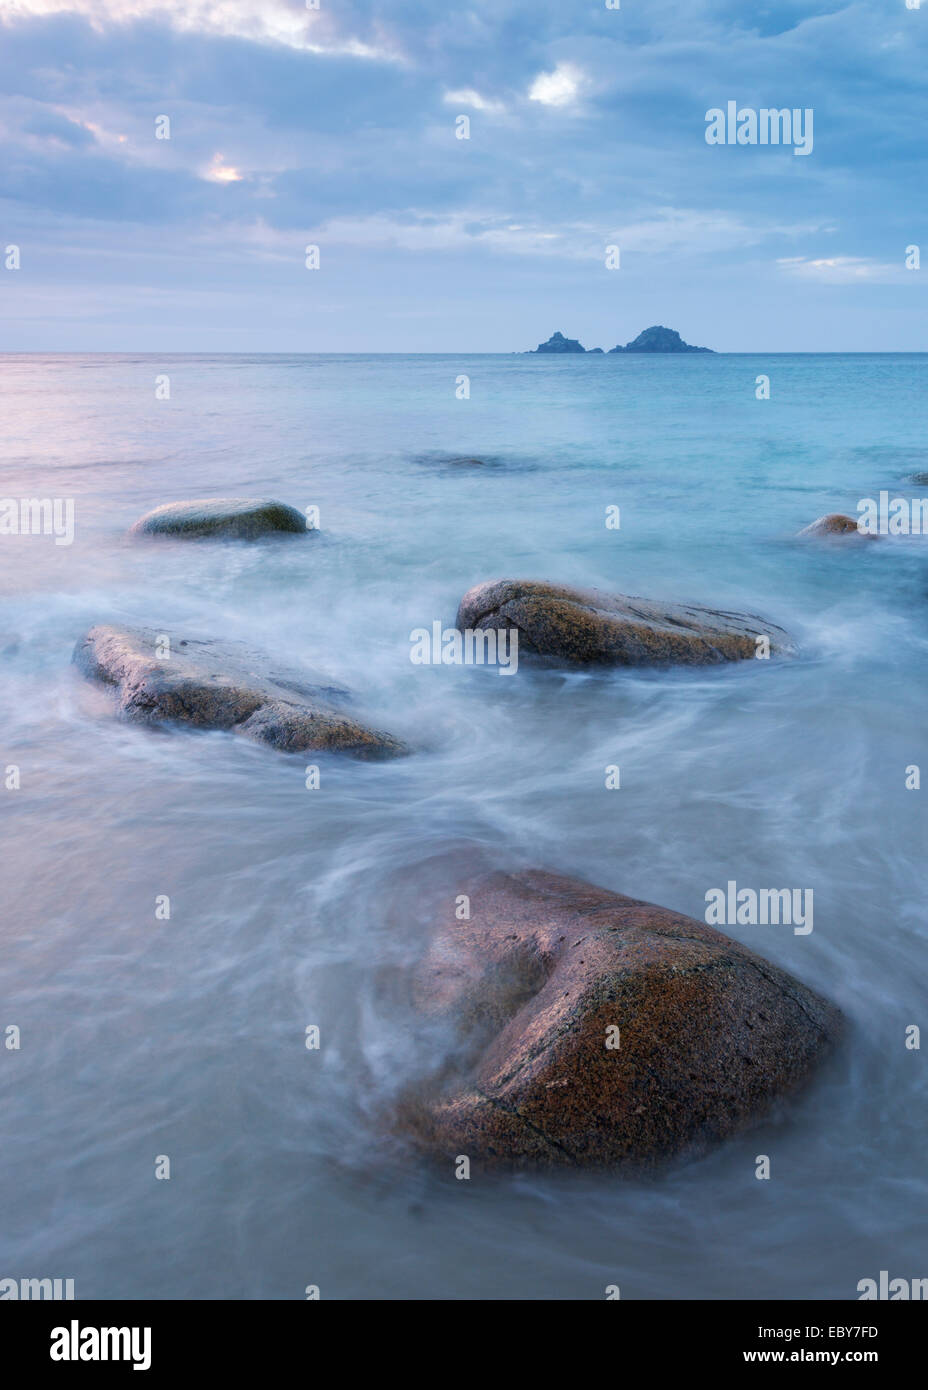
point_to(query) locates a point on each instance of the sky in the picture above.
(337, 124)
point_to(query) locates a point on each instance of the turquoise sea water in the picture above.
(185, 1038)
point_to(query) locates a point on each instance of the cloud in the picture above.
(677, 232)
(49, 124)
(844, 270)
(291, 125)
(466, 96)
(422, 231)
(557, 88)
(267, 22)
(683, 231)
(221, 172)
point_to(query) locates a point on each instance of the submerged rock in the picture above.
(590, 626)
(834, 524)
(439, 459)
(231, 518)
(601, 1030)
(224, 685)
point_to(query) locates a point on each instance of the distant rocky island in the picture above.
(656, 339)
(558, 343)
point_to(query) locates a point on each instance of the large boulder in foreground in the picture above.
(537, 982)
(834, 524)
(229, 518)
(590, 626)
(224, 685)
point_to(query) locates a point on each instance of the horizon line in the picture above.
(452, 352)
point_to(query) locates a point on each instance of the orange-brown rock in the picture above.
(589, 626)
(834, 524)
(225, 685)
(539, 980)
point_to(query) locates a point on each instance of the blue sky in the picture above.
(335, 126)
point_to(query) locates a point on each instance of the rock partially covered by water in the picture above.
(230, 518)
(601, 1030)
(162, 678)
(834, 524)
(590, 626)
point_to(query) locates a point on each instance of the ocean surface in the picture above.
(142, 1037)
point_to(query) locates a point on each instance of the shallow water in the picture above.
(289, 907)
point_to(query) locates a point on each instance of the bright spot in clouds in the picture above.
(220, 172)
(557, 88)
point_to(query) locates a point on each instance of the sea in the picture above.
(129, 1037)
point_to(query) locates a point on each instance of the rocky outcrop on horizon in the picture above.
(659, 339)
(558, 343)
(656, 339)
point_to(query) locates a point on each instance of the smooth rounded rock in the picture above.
(601, 1030)
(162, 678)
(834, 524)
(228, 518)
(589, 626)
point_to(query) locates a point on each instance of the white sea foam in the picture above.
(144, 1037)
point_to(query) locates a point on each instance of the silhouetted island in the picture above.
(656, 339)
(558, 343)
(659, 339)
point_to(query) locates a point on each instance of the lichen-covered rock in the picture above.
(161, 678)
(601, 1030)
(834, 524)
(588, 626)
(229, 518)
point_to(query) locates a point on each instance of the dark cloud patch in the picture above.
(49, 125)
